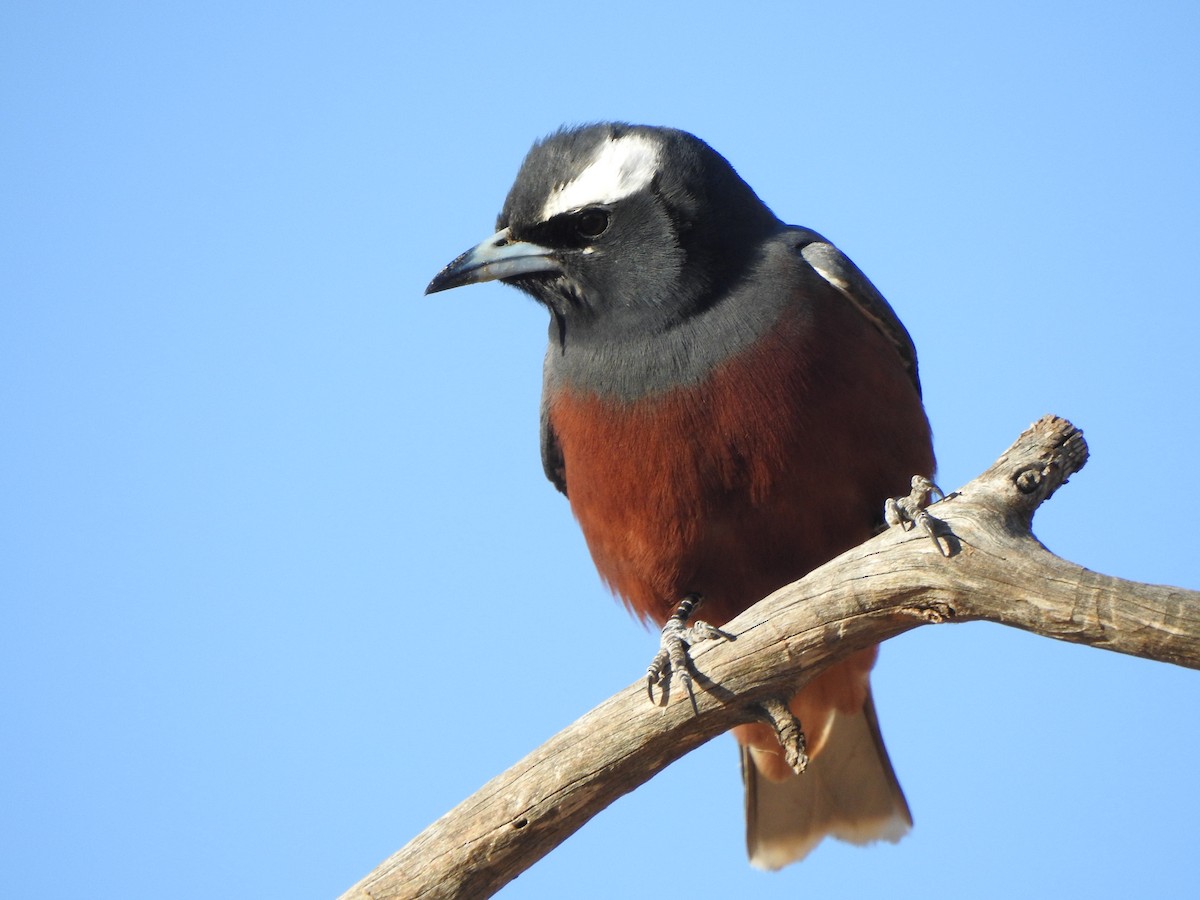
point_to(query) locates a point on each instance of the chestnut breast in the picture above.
(744, 480)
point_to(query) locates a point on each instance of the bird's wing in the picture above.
(836, 268)
(552, 458)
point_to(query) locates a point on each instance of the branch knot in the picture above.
(1028, 478)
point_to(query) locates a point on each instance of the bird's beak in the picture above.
(497, 257)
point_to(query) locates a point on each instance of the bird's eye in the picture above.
(591, 223)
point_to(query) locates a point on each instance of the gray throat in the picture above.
(636, 365)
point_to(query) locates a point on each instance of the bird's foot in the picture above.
(672, 657)
(789, 732)
(910, 512)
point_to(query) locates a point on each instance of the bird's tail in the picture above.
(848, 791)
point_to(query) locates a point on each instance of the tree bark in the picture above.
(986, 565)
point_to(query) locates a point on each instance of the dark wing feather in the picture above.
(836, 268)
(552, 458)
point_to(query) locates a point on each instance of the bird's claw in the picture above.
(789, 732)
(672, 657)
(910, 511)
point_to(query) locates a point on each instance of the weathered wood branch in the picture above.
(995, 571)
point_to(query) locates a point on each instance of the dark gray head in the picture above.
(620, 228)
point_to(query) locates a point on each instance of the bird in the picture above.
(728, 402)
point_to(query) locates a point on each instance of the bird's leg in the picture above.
(677, 636)
(910, 511)
(789, 732)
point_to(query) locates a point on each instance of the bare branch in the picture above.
(995, 571)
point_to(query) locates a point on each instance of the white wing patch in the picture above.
(619, 168)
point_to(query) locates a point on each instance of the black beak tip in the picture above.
(455, 274)
(449, 277)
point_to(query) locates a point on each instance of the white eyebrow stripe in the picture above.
(619, 168)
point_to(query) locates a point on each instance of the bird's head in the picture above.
(620, 229)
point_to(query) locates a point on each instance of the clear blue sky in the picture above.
(271, 518)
